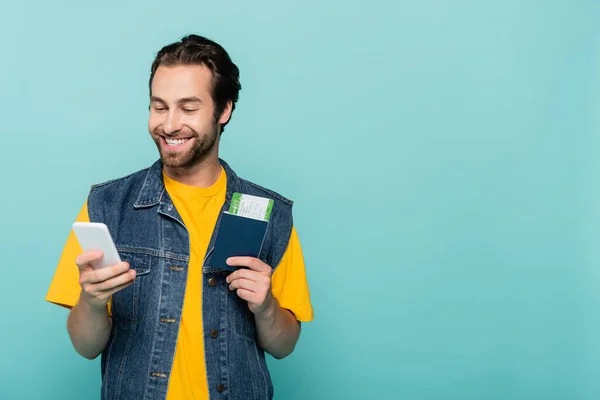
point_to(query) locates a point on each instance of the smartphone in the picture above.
(94, 236)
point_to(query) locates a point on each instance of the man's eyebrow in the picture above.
(157, 99)
(192, 99)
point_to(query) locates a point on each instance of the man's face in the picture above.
(181, 118)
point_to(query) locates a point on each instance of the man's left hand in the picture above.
(253, 284)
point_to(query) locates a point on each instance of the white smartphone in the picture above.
(95, 236)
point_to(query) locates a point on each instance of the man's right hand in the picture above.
(97, 285)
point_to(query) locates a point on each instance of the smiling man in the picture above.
(166, 323)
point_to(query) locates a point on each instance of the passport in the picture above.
(238, 236)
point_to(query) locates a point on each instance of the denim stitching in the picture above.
(261, 369)
(157, 322)
(151, 252)
(272, 193)
(99, 185)
(108, 358)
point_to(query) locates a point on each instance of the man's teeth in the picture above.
(175, 142)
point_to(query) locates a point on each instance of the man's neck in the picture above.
(203, 174)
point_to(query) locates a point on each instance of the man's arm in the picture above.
(278, 331)
(89, 324)
(89, 329)
(277, 328)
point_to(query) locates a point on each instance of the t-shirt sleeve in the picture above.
(64, 289)
(289, 282)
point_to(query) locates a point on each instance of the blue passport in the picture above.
(238, 236)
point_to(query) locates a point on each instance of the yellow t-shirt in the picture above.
(199, 209)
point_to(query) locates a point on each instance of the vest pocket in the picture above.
(126, 303)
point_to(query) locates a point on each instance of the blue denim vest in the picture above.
(151, 236)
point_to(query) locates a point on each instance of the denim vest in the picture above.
(151, 236)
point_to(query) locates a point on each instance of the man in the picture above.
(166, 322)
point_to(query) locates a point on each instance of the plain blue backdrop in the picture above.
(443, 157)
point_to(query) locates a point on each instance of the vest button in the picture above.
(214, 333)
(212, 282)
(221, 388)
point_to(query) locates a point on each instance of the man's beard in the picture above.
(202, 146)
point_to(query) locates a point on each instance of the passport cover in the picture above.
(237, 236)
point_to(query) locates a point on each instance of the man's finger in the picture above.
(243, 273)
(101, 275)
(84, 259)
(246, 295)
(113, 283)
(253, 263)
(243, 284)
(116, 289)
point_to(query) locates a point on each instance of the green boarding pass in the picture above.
(249, 206)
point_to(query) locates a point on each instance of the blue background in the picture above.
(443, 157)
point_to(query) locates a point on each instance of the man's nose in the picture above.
(172, 123)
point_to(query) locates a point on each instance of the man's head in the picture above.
(194, 86)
